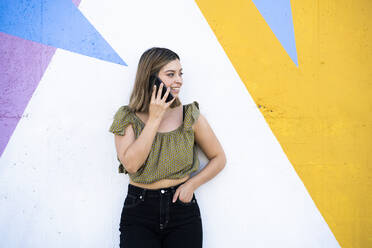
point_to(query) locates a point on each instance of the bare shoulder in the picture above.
(206, 138)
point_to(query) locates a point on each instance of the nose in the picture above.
(179, 80)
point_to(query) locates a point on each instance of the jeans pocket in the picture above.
(132, 201)
(192, 202)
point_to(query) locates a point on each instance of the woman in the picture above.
(156, 146)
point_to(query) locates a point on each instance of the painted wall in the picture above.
(284, 85)
(320, 111)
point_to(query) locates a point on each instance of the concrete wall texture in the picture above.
(285, 85)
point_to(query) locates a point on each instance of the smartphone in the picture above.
(156, 81)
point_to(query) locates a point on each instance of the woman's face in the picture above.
(171, 76)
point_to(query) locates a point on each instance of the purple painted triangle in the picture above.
(22, 65)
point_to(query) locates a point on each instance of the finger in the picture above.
(158, 96)
(188, 199)
(175, 196)
(153, 92)
(166, 94)
(171, 101)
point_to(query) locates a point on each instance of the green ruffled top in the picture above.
(173, 154)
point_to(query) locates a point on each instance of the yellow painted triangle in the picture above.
(321, 111)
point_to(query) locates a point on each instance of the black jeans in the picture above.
(150, 219)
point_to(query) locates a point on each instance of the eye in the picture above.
(172, 74)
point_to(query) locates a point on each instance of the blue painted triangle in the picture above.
(278, 15)
(56, 23)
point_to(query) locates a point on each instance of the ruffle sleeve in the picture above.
(122, 119)
(192, 114)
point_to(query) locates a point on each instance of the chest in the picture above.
(168, 124)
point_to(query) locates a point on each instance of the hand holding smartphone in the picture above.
(156, 81)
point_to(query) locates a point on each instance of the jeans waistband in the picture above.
(135, 190)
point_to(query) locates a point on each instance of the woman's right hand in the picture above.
(158, 106)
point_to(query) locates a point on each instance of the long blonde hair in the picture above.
(150, 63)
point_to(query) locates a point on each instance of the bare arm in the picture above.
(133, 152)
(208, 142)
